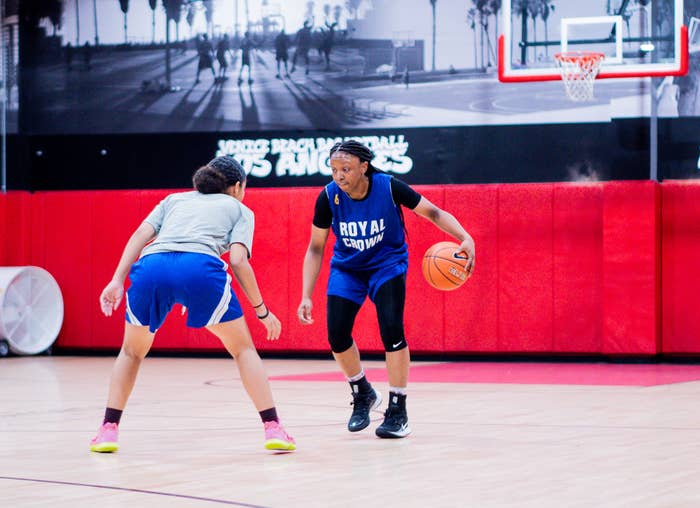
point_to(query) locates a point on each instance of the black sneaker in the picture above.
(395, 423)
(362, 404)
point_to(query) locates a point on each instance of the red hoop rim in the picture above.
(579, 56)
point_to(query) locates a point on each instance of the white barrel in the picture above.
(31, 309)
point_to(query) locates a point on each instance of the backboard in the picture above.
(638, 37)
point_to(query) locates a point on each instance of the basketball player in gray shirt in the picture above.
(188, 232)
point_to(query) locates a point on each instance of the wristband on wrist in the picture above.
(267, 313)
(258, 306)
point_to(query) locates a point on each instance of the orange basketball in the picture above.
(444, 267)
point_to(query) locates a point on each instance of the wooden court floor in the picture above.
(484, 435)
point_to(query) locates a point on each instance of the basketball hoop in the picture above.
(578, 72)
(403, 39)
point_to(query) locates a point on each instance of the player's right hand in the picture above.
(304, 311)
(111, 297)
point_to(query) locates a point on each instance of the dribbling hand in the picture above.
(467, 246)
(304, 311)
(111, 297)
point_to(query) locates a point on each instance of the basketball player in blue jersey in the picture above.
(370, 258)
(178, 246)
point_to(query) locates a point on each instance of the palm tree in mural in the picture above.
(547, 9)
(77, 22)
(172, 11)
(177, 19)
(495, 9)
(190, 17)
(471, 22)
(534, 10)
(482, 10)
(337, 13)
(55, 13)
(153, 4)
(353, 7)
(209, 14)
(432, 5)
(520, 9)
(486, 9)
(124, 6)
(51, 9)
(94, 15)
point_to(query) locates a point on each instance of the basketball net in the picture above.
(578, 72)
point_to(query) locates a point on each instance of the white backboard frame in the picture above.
(611, 68)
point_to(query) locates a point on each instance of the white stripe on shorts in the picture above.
(132, 317)
(223, 303)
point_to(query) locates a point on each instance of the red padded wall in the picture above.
(569, 268)
(297, 336)
(425, 306)
(116, 214)
(681, 269)
(578, 267)
(64, 246)
(471, 312)
(15, 228)
(631, 268)
(271, 262)
(525, 314)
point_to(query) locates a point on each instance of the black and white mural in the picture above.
(140, 66)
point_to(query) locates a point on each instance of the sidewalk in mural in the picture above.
(109, 98)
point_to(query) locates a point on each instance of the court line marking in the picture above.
(126, 489)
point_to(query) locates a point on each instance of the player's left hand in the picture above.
(468, 247)
(111, 297)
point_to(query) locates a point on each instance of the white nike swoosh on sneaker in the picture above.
(403, 431)
(397, 344)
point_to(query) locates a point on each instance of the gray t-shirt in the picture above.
(204, 223)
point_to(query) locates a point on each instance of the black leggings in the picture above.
(389, 302)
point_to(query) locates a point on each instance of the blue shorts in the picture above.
(357, 285)
(197, 281)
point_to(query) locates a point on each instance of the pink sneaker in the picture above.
(276, 438)
(106, 439)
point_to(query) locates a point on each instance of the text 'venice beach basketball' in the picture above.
(444, 267)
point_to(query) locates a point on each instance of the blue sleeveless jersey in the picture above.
(369, 233)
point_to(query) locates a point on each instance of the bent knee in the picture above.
(135, 351)
(340, 342)
(393, 338)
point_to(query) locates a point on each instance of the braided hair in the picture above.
(354, 147)
(218, 175)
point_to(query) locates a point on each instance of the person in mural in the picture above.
(370, 258)
(246, 53)
(205, 50)
(87, 55)
(327, 43)
(222, 48)
(178, 247)
(282, 53)
(68, 54)
(303, 41)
